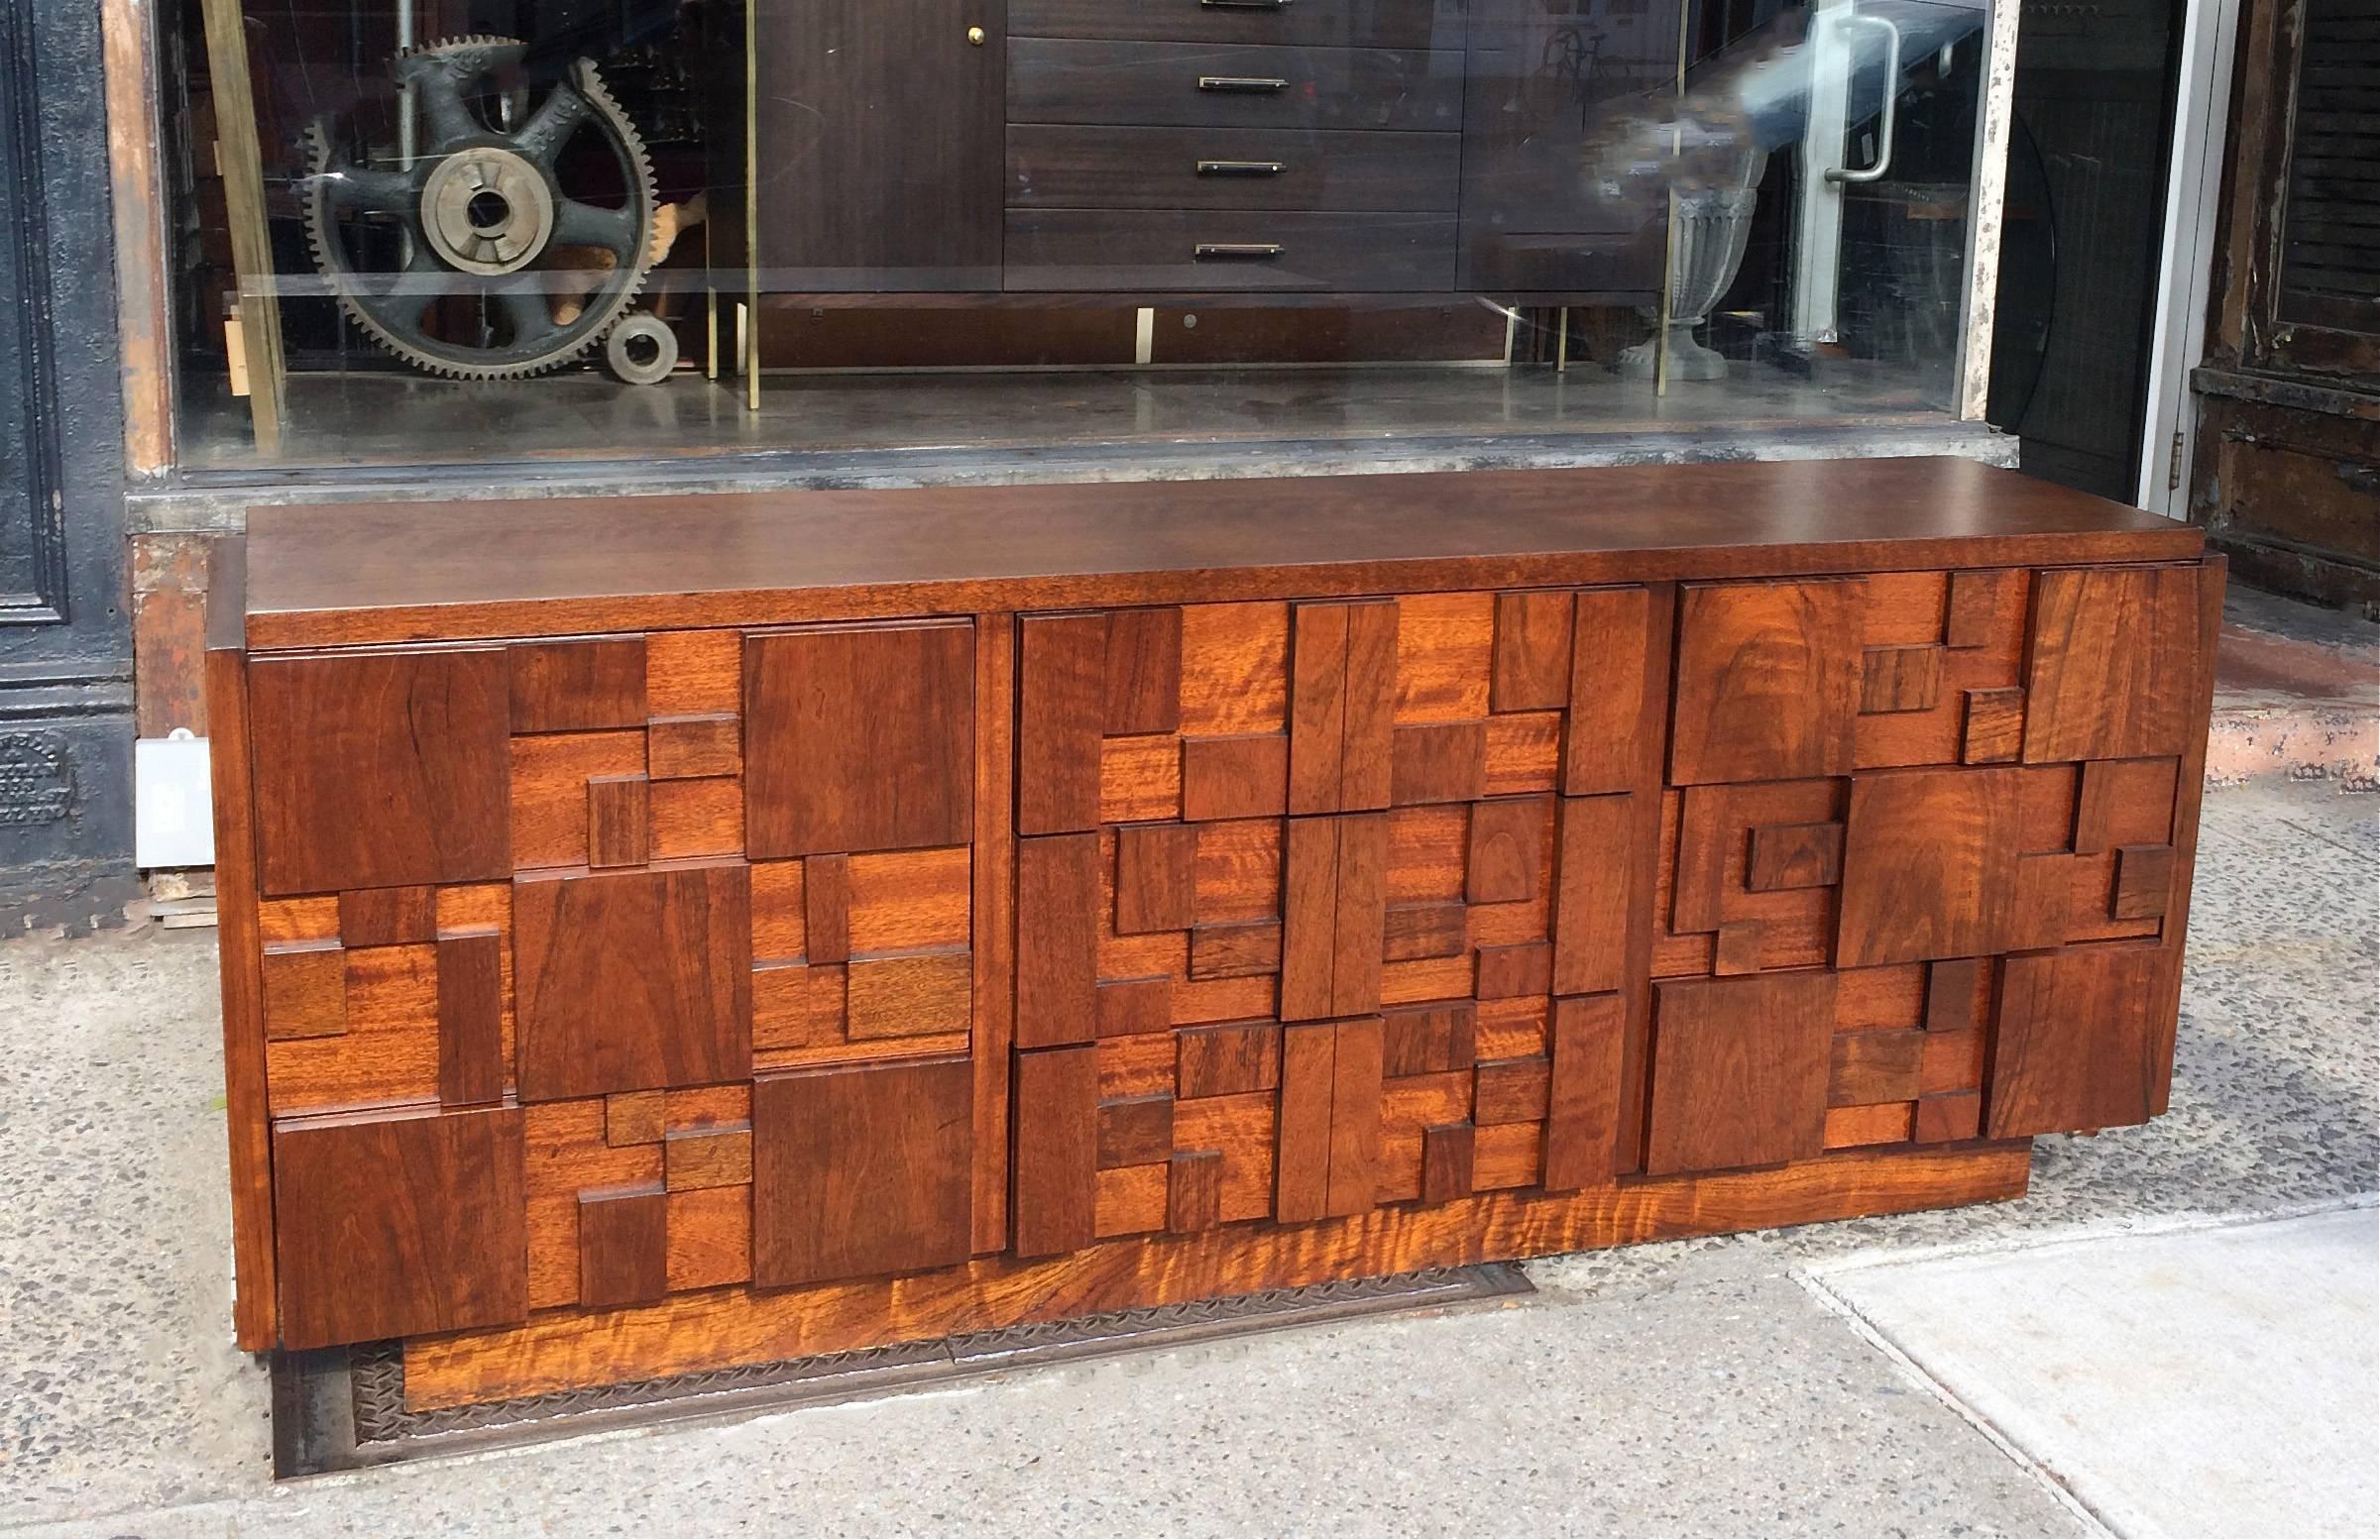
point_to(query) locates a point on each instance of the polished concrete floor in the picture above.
(385, 418)
(1728, 1385)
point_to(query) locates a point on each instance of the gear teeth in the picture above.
(591, 85)
(324, 243)
(455, 45)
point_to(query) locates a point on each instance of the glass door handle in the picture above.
(1883, 121)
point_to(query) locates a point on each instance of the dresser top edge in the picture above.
(374, 573)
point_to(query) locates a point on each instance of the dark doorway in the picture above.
(2085, 226)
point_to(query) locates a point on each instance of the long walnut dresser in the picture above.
(669, 934)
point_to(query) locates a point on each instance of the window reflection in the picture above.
(551, 228)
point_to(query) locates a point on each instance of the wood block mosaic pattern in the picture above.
(1304, 934)
(676, 968)
(587, 943)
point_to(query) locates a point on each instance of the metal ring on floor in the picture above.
(642, 350)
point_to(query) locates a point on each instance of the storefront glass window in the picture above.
(457, 232)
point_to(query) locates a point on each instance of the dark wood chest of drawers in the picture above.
(1307, 147)
(668, 933)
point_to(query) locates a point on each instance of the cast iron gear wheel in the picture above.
(479, 207)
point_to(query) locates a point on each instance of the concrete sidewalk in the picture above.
(1758, 1384)
(2200, 1380)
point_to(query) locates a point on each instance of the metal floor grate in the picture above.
(342, 1408)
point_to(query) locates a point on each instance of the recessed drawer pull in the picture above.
(1235, 251)
(1245, 5)
(1246, 84)
(1241, 168)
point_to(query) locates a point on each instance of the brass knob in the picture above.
(975, 34)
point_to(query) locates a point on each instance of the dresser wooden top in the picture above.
(387, 572)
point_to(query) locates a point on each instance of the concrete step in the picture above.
(2297, 694)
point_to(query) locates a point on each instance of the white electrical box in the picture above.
(173, 802)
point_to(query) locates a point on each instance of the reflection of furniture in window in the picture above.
(660, 934)
(1179, 147)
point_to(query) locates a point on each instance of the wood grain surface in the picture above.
(739, 1326)
(935, 910)
(255, 1318)
(561, 566)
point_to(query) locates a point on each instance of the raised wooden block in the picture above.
(392, 1226)
(1343, 669)
(2144, 879)
(624, 1246)
(1619, 668)
(858, 737)
(576, 685)
(1513, 1090)
(1532, 650)
(1156, 871)
(1944, 1119)
(1974, 605)
(827, 908)
(387, 916)
(1058, 940)
(707, 1158)
(1448, 1153)
(1356, 1087)
(1899, 679)
(1129, 1007)
(1929, 865)
(2114, 663)
(1235, 778)
(1524, 968)
(1740, 1072)
(1135, 1131)
(1226, 1059)
(629, 980)
(681, 748)
(861, 1171)
(1996, 724)
(1412, 932)
(2083, 1040)
(1193, 1190)
(1795, 856)
(1143, 671)
(1767, 681)
(919, 995)
(1583, 1091)
(1875, 1067)
(305, 990)
(1594, 892)
(1431, 1039)
(1438, 761)
(471, 1008)
(1063, 679)
(1507, 850)
(634, 1118)
(1241, 950)
(1056, 1149)
(618, 820)
(378, 770)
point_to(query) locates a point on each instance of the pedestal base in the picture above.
(1688, 359)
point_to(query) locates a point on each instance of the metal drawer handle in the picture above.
(1246, 84)
(1235, 251)
(1245, 5)
(1241, 168)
